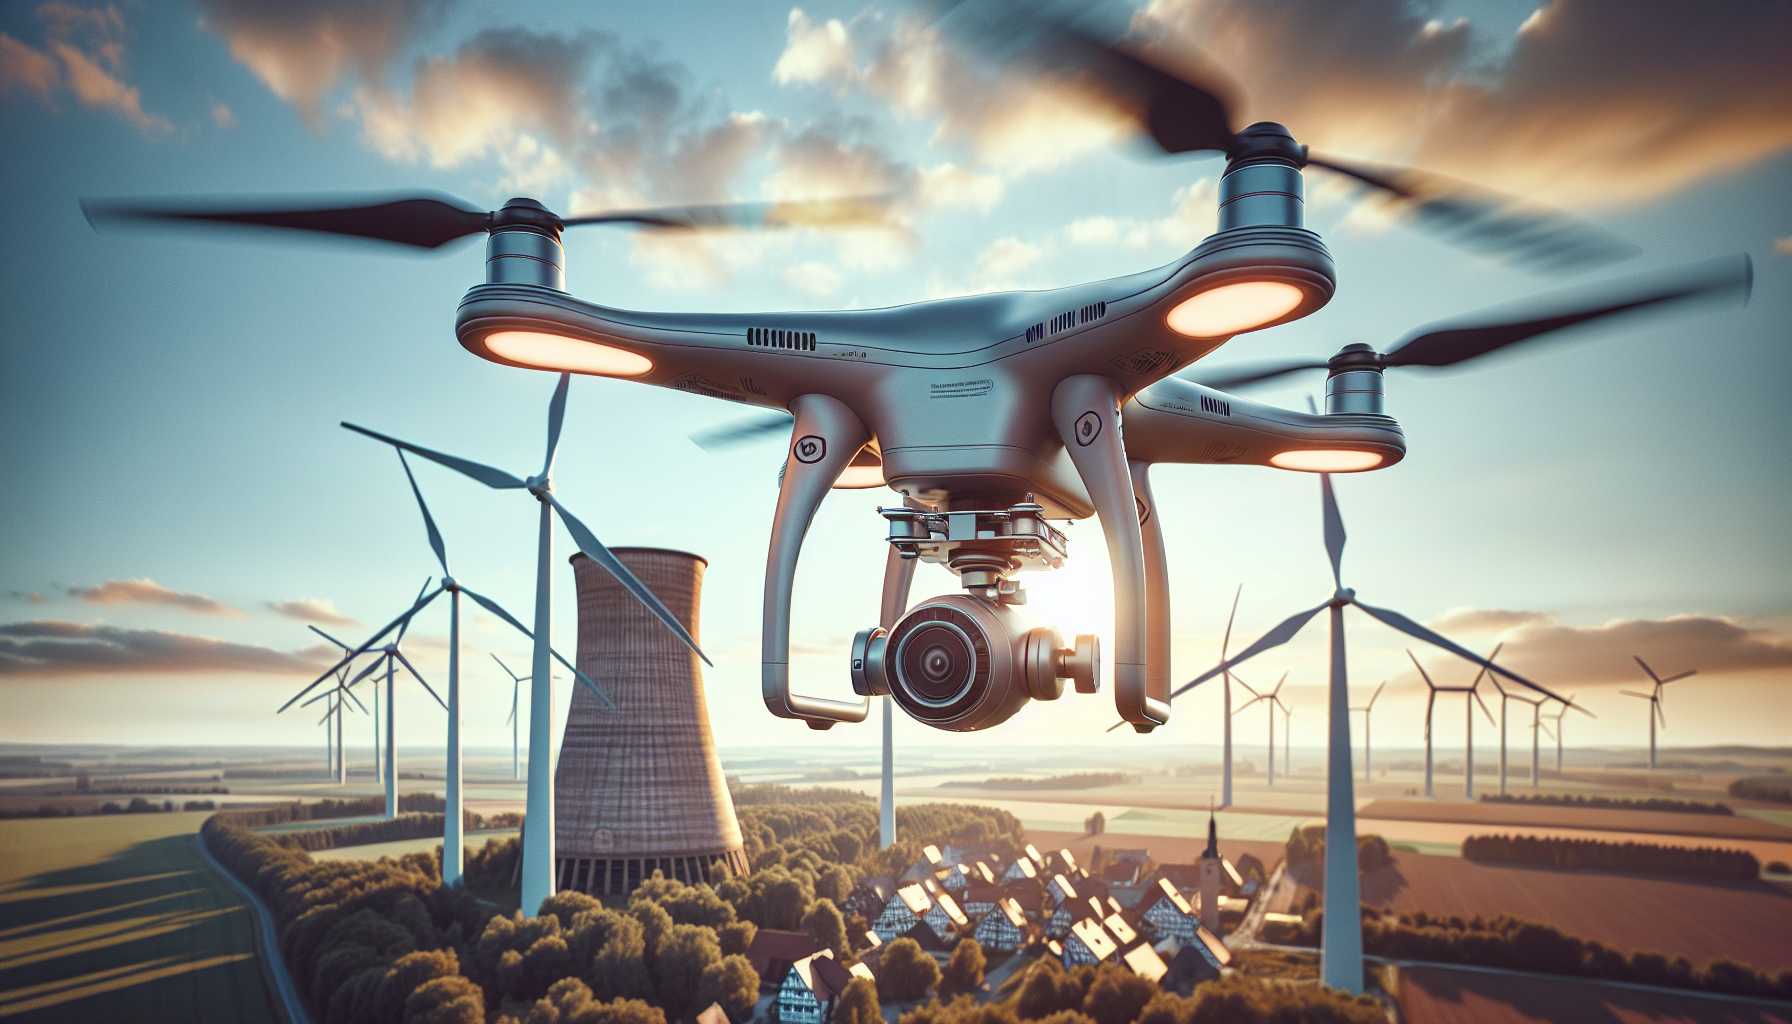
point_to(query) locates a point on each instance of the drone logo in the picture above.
(810, 449)
(1088, 428)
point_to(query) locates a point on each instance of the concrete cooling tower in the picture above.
(639, 788)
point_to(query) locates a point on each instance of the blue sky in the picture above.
(170, 402)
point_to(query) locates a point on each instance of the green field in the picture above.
(400, 847)
(116, 918)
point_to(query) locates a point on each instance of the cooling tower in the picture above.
(639, 788)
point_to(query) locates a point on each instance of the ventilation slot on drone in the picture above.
(1215, 405)
(1065, 321)
(772, 337)
(1035, 332)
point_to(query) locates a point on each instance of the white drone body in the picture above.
(988, 414)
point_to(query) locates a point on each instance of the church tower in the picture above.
(1210, 877)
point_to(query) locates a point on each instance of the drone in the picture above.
(993, 415)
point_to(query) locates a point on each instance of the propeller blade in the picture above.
(407, 624)
(595, 550)
(1376, 694)
(1432, 637)
(492, 606)
(1226, 642)
(556, 416)
(429, 521)
(1683, 675)
(328, 637)
(1246, 374)
(412, 669)
(846, 211)
(1449, 345)
(743, 431)
(1334, 529)
(422, 222)
(1485, 219)
(357, 652)
(487, 475)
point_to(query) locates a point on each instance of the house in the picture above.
(1087, 943)
(980, 900)
(1167, 913)
(945, 918)
(868, 898)
(810, 987)
(926, 867)
(902, 913)
(1065, 907)
(929, 940)
(1032, 854)
(1003, 929)
(1124, 936)
(1022, 869)
(1145, 962)
(773, 951)
(1203, 958)
(955, 877)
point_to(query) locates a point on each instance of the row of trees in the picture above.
(1704, 862)
(409, 826)
(1074, 780)
(1609, 803)
(137, 805)
(1305, 850)
(1771, 788)
(319, 810)
(1521, 945)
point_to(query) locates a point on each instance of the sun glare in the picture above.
(558, 352)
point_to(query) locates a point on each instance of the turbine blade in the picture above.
(1430, 703)
(1377, 694)
(595, 550)
(513, 676)
(1283, 632)
(1436, 639)
(1633, 693)
(1334, 529)
(429, 521)
(1661, 715)
(1226, 643)
(1646, 668)
(490, 476)
(1476, 694)
(1683, 675)
(1426, 675)
(412, 669)
(328, 637)
(492, 606)
(407, 625)
(357, 652)
(1273, 693)
(556, 415)
(350, 694)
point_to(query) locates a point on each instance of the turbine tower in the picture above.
(1226, 719)
(1341, 943)
(1506, 698)
(1474, 697)
(1274, 702)
(1365, 709)
(515, 723)
(340, 768)
(1556, 734)
(1287, 739)
(1654, 699)
(538, 836)
(389, 657)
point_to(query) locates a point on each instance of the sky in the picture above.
(180, 502)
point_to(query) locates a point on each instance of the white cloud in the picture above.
(948, 185)
(1193, 216)
(222, 115)
(813, 278)
(1006, 257)
(814, 51)
(84, 53)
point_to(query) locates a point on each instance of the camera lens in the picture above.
(937, 661)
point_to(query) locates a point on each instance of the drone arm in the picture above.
(1157, 584)
(1176, 420)
(1086, 411)
(824, 439)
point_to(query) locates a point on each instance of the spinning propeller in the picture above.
(432, 221)
(1187, 109)
(1449, 343)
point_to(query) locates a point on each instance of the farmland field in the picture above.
(400, 847)
(1460, 997)
(1499, 815)
(117, 918)
(1699, 921)
(1442, 836)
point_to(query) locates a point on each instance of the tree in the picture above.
(905, 972)
(1045, 989)
(736, 936)
(451, 1000)
(826, 925)
(732, 982)
(406, 975)
(567, 904)
(619, 968)
(685, 953)
(1117, 995)
(857, 1004)
(655, 923)
(964, 971)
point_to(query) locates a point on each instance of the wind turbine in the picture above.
(389, 656)
(516, 686)
(1274, 702)
(1557, 733)
(1506, 698)
(341, 687)
(453, 823)
(1654, 699)
(538, 835)
(1287, 739)
(1474, 697)
(1226, 719)
(1365, 709)
(1341, 945)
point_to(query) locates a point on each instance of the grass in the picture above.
(400, 847)
(118, 918)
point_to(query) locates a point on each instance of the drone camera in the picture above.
(962, 663)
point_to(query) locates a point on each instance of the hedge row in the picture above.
(1703, 862)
